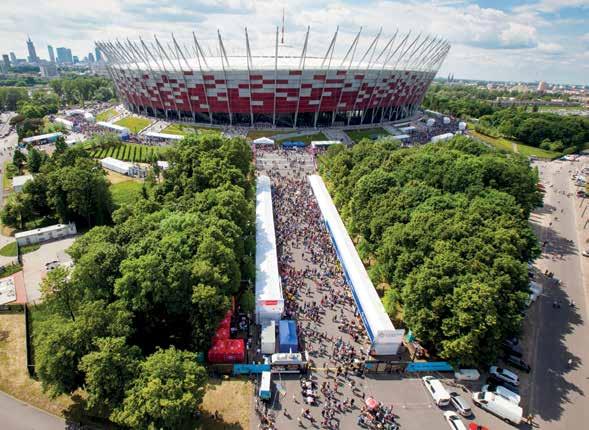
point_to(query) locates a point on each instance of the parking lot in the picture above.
(34, 264)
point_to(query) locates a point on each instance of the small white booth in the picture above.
(263, 141)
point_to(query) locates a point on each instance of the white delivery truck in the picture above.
(269, 337)
(499, 406)
(437, 390)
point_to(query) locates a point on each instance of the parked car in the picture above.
(504, 375)
(492, 380)
(454, 420)
(461, 405)
(586, 253)
(581, 193)
(499, 406)
(503, 392)
(518, 363)
(475, 426)
(437, 390)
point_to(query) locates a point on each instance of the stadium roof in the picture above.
(399, 51)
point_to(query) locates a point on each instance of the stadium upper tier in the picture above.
(384, 82)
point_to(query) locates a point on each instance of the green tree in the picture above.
(18, 159)
(34, 160)
(108, 371)
(60, 293)
(166, 394)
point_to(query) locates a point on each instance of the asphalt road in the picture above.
(559, 390)
(16, 415)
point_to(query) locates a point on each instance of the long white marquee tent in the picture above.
(385, 339)
(269, 298)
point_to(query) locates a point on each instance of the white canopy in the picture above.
(263, 141)
(316, 143)
(385, 339)
(269, 299)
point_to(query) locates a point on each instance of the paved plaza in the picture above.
(319, 300)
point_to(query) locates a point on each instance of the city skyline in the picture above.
(514, 40)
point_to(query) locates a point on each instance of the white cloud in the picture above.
(550, 6)
(486, 41)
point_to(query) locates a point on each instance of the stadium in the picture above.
(282, 86)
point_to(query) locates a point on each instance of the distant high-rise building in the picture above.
(32, 53)
(542, 86)
(91, 57)
(51, 53)
(5, 62)
(64, 55)
(12, 57)
(75, 59)
(49, 70)
(98, 54)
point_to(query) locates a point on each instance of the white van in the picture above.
(437, 390)
(499, 406)
(503, 392)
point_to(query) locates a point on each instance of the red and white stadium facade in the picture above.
(278, 88)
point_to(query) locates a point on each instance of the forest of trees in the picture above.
(545, 130)
(148, 290)
(69, 186)
(445, 229)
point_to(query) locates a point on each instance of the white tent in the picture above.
(385, 339)
(263, 141)
(269, 298)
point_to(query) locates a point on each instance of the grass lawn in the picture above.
(232, 399)
(358, 135)
(134, 123)
(256, 134)
(306, 138)
(507, 145)
(6, 181)
(11, 269)
(184, 129)
(29, 248)
(125, 192)
(14, 378)
(106, 115)
(9, 250)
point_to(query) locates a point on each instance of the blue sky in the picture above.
(517, 40)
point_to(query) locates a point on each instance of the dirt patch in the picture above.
(231, 399)
(116, 178)
(14, 378)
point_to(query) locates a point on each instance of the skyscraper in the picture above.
(32, 53)
(5, 62)
(98, 54)
(13, 58)
(76, 60)
(64, 55)
(51, 53)
(91, 57)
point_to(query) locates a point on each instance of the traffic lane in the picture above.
(16, 415)
(557, 390)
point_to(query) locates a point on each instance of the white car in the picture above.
(503, 392)
(454, 421)
(504, 375)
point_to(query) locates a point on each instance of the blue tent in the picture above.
(292, 144)
(288, 340)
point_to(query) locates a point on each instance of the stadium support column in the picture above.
(134, 55)
(302, 70)
(179, 54)
(389, 46)
(330, 53)
(162, 53)
(199, 55)
(224, 60)
(352, 51)
(275, 79)
(148, 52)
(249, 74)
(372, 48)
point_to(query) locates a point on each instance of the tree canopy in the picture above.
(445, 226)
(170, 261)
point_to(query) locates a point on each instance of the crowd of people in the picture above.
(316, 294)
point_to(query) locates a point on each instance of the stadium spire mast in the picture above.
(282, 38)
